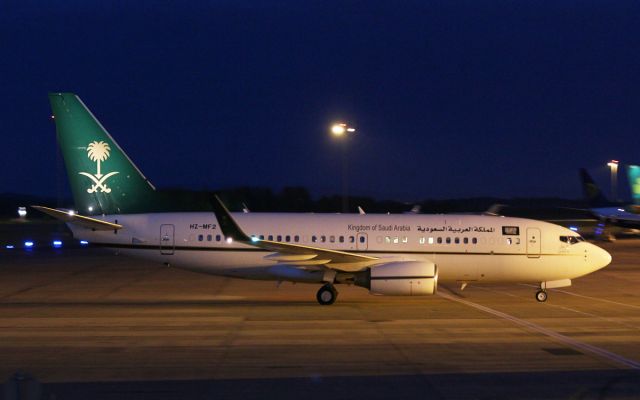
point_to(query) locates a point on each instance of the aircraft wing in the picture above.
(80, 220)
(290, 253)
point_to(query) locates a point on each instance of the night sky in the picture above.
(450, 99)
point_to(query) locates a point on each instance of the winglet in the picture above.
(228, 225)
(80, 220)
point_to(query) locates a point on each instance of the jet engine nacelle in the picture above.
(404, 278)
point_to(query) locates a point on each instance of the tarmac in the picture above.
(83, 323)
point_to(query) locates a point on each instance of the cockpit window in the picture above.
(571, 239)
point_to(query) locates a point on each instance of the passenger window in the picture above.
(457, 240)
(287, 238)
(362, 239)
(218, 238)
(508, 240)
(396, 240)
(430, 240)
(474, 241)
(448, 240)
(200, 238)
(314, 238)
(405, 239)
(332, 239)
(341, 239)
(439, 240)
(261, 237)
(323, 238)
(296, 238)
(466, 240)
(352, 239)
(387, 239)
(421, 240)
(209, 238)
(279, 238)
(271, 237)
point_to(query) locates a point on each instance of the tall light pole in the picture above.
(613, 164)
(341, 130)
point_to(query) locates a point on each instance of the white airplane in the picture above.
(399, 255)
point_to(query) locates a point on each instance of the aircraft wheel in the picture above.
(541, 296)
(327, 295)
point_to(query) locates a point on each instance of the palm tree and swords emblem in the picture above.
(98, 152)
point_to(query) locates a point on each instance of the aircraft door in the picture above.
(167, 239)
(533, 242)
(361, 241)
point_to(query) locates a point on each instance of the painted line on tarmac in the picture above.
(595, 298)
(548, 304)
(587, 297)
(626, 362)
(594, 316)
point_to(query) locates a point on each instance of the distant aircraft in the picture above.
(407, 255)
(616, 214)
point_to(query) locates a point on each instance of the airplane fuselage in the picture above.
(465, 248)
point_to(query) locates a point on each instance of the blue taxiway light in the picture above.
(84, 242)
(28, 244)
(57, 243)
(9, 246)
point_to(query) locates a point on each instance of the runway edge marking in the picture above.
(557, 336)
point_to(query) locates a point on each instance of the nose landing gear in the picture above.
(327, 295)
(541, 296)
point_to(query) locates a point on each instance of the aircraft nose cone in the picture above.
(601, 257)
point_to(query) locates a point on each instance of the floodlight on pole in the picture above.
(613, 165)
(339, 130)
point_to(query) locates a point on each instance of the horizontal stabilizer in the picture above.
(73, 218)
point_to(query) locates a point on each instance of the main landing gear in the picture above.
(541, 296)
(327, 295)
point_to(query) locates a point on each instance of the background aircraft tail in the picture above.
(592, 193)
(633, 173)
(102, 177)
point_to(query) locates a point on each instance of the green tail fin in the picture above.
(103, 179)
(633, 173)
